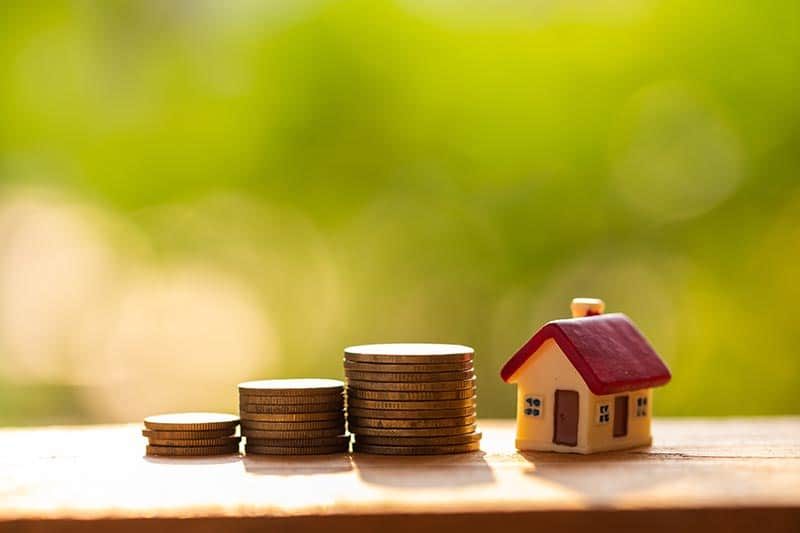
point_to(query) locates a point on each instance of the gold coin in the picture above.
(191, 421)
(420, 432)
(356, 422)
(289, 409)
(395, 377)
(410, 386)
(411, 406)
(458, 366)
(338, 440)
(293, 435)
(288, 450)
(447, 440)
(417, 450)
(410, 415)
(292, 387)
(291, 417)
(248, 425)
(176, 451)
(410, 396)
(220, 441)
(188, 435)
(247, 397)
(409, 353)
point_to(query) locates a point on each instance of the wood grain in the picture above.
(701, 475)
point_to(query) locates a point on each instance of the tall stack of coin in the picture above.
(411, 399)
(293, 416)
(191, 434)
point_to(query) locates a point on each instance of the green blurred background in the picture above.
(198, 193)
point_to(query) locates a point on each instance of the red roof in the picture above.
(608, 351)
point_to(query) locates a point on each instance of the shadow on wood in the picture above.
(429, 471)
(273, 465)
(194, 461)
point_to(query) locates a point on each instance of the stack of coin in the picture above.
(191, 434)
(411, 399)
(293, 416)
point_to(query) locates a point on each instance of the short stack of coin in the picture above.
(411, 399)
(191, 434)
(293, 416)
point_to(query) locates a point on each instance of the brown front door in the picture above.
(620, 416)
(566, 418)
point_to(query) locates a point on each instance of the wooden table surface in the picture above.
(705, 475)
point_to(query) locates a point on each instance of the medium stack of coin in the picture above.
(293, 416)
(411, 399)
(191, 434)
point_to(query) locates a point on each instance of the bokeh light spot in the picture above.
(674, 157)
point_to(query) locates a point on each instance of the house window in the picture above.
(533, 406)
(603, 414)
(641, 406)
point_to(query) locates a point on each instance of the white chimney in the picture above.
(587, 307)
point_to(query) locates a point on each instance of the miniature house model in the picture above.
(585, 384)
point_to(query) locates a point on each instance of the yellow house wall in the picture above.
(601, 436)
(548, 370)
